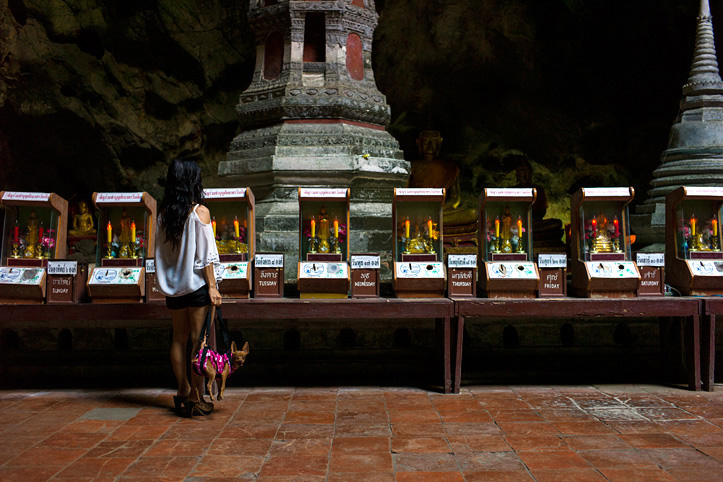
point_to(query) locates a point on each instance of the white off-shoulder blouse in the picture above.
(180, 271)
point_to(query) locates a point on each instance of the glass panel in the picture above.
(418, 228)
(230, 221)
(323, 227)
(604, 233)
(122, 232)
(30, 232)
(504, 221)
(697, 231)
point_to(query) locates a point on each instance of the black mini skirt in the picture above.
(197, 299)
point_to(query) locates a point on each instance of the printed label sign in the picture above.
(115, 276)
(237, 270)
(224, 193)
(269, 260)
(330, 193)
(512, 270)
(704, 267)
(612, 269)
(606, 191)
(119, 197)
(417, 269)
(25, 196)
(462, 260)
(366, 262)
(21, 276)
(509, 192)
(408, 191)
(704, 191)
(650, 259)
(552, 261)
(63, 267)
(317, 270)
(150, 265)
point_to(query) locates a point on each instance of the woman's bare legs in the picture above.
(196, 317)
(181, 330)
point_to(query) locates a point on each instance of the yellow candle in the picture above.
(692, 226)
(715, 226)
(519, 226)
(313, 228)
(110, 233)
(235, 227)
(497, 227)
(336, 228)
(213, 225)
(133, 231)
(406, 228)
(429, 226)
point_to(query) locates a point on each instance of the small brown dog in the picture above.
(216, 365)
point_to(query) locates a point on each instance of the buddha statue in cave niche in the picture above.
(460, 222)
(546, 233)
(83, 224)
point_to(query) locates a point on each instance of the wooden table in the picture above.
(684, 307)
(712, 307)
(440, 309)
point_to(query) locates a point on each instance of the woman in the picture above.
(186, 265)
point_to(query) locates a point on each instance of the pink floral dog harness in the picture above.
(218, 362)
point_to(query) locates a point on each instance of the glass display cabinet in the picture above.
(601, 259)
(323, 271)
(693, 257)
(505, 244)
(419, 270)
(232, 218)
(126, 230)
(34, 233)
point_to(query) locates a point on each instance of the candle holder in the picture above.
(313, 242)
(133, 250)
(616, 245)
(109, 253)
(237, 245)
(498, 245)
(714, 243)
(16, 247)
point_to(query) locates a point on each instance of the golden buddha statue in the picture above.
(31, 236)
(324, 246)
(601, 242)
(506, 231)
(83, 224)
(125, 235)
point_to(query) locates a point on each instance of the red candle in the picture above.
(40, 232)
(16, 233)
(594, 227)
(617, 227)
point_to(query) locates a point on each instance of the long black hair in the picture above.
(183, 190)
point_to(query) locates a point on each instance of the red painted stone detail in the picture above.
(354, 57)
(273, 55)
(358, 3)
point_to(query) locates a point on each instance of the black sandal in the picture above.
(197, 408)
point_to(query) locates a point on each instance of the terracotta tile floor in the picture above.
(518, 433)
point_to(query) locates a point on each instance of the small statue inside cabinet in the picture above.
(126, 244)
(83, 223)
(323, 240)
(419, 241)
(230, 237)
(697, 237)
(603, 236)
(507, 235)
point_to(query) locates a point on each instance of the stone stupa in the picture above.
(694, 156)
(313, 117)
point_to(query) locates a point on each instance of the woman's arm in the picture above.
(205, 216)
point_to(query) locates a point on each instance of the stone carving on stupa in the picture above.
(694, 156)
(313, 116)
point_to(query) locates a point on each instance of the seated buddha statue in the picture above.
(460, 222)
(546, 233)
(83, 224)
